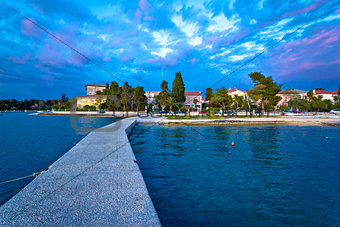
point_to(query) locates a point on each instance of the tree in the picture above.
(126, 96)
(195, 101)
(113, 89)
(98, 102)
(222, 99)
(238, 103)
(139, 98)
(264, 91)
(63, 98)
(310, 95)
(171, 102)
(163, 96)
(164, 86)
(208, 93)
(284, 107)
(103, 106)
(297, 103)
(318, 105)
(178, 89)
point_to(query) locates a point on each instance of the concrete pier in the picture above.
(96, 183)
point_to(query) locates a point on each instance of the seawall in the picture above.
(96, 183)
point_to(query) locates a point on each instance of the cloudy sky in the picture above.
(147, 41)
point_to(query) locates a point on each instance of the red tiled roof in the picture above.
(235, 89)
(192, 93)
(319, 92)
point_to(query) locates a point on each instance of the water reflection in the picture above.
(197, 178)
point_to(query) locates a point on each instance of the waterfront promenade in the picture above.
(96, 183)
(296, 120)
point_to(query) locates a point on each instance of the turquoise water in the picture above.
(274, 176)
(31, 143)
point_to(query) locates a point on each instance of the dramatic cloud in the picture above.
(147, 41)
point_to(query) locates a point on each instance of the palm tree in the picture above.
(195, 101)
(171, 102)
(157, 103)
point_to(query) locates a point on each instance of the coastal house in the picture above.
(150, 95)
(191, 96)
(90, 100)
(330, 95)
(234, 92)
(92, 89)
(302, 93)
(286, 96)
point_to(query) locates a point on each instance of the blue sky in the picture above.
(147, 41)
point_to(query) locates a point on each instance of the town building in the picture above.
(92, 89)
(330, 95)
(190, 96)
(150, 95)
(302, 93)
(90, 100)
(286, 96)
(234, 92)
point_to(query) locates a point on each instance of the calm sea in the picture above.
(274, 176)
(31, 143)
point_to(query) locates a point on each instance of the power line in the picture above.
(62, 41)
(271, 46)
(287, 35)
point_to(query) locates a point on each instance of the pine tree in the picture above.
(208, 94)
(126, 96)
(178, 89)
(221, 98)
(139, 98)
(164, 94)
(264, 90)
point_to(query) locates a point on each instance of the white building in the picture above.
(235, 92)
(92, 89)
(151, 96)
(330, 95)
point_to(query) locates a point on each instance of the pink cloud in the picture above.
(306, 54)
(37, 8)
(325, 38)
(117, 41)
(19, 61)
(138, 16)
(155, 61)
(48, 79)
(107, 59)
(126, 59)
(194, 60)
(76, 59)
(29, 29)
(144, 5)
(148, 18)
